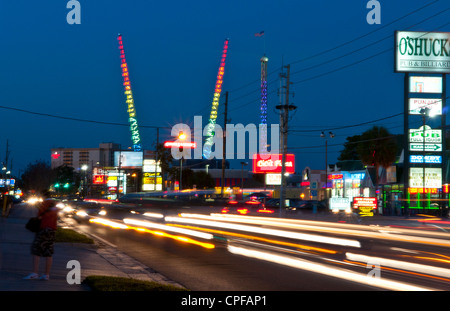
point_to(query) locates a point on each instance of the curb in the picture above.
(123, 262)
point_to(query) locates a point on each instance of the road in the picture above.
(215, 252)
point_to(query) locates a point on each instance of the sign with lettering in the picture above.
(433, 177)
(428, 147)
(431, 136)
(271, 163)
(428, 159)
(419, 84)
(339, 203)
(417, 51)
(434, 104)
(365, 205)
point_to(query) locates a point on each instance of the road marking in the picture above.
(102, 240)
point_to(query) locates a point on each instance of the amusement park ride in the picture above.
(134, 128)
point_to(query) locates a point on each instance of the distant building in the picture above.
(103, 156)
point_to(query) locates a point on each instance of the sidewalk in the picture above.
(16, 260)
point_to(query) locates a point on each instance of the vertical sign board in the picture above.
(424, 57)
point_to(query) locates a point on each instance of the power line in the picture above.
(339, 57)
(347, 126)
(78, 119)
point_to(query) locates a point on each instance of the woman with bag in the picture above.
(44, 240)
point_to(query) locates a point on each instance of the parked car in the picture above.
(257, 196)
(310, 206)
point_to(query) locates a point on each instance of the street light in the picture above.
(331, 135)
(84, 168)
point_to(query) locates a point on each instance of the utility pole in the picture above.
(224, 143)
(156, 160)
(284, 116)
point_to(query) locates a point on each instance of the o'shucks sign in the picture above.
(422, 52)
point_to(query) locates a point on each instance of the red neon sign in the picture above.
(365, 202)
(99, 179)
(272, 163)
(335, 176)
(420, 190)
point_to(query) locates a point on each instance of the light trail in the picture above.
(116, 225)
(442, 272)
(147, 224)
(271, 241)
(437, 238)
(324, 269)
(274, 232)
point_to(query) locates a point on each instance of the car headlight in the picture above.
(82, 214)
(60, 205)
(67, 209)
(102, 213)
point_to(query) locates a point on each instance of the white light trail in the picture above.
(147, 224)
(326, 270)
(275, 232)
(442, 272)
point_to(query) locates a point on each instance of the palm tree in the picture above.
(377, 148)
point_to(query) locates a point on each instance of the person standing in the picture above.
(44, 240)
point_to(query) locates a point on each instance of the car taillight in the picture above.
(267, 211)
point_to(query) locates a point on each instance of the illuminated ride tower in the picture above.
(215, 104)
(134, 128)
(263, 126)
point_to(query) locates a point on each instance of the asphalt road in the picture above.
(262, 261)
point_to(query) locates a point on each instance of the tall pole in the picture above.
(406, 165)
(283, 136)
(423, 160)
(224, 143)
(156, 159)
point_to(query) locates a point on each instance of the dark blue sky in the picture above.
(173, 51)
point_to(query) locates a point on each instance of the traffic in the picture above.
(305, 237)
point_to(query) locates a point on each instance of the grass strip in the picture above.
(71, 236)
(112, 283)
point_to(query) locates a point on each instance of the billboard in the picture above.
(128, 159)
(426, 52)
(271, 163)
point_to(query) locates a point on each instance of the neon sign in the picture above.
(135, 137)
(335, 176)
(273, 164)
(215, 104)
(99, 179)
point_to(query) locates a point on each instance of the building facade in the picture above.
(103, 156)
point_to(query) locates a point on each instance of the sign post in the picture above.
(424, 58)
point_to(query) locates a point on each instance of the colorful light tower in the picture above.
(215, 104)
(134, 128)
(263, 128)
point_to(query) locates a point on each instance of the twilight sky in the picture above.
(342, 69)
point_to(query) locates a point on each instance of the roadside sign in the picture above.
(428, 147)
(365, 205)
